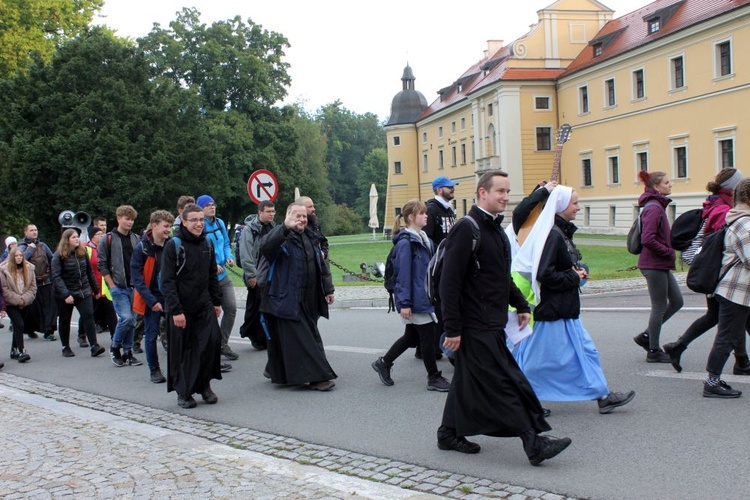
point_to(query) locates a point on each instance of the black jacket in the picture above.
(478, 299)
(527, 205)
(558, 282)
(73, 277)
(196, 287)
(440, 220)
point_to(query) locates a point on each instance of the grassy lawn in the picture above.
(605, 262)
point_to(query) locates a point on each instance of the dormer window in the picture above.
(459, 88)
(597, 49)
(654, 25)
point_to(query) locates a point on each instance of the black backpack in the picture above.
(435, 268)
(389, 277)
(633, 241)
(706, 270)
(685, 228)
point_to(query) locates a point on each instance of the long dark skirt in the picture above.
(43, 311)
(489, 394)
(194, 353)
(295, 351)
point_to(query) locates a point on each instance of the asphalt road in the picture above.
(669, 443)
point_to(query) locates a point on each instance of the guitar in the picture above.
(563, 136)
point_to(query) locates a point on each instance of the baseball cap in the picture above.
(442, 181)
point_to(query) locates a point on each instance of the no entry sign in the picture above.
(262, 186)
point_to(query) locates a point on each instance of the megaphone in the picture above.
(70, 220)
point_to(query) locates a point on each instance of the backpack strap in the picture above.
(179, 251)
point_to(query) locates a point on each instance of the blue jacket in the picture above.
(216, 234)
(410, 259)
(283, 294)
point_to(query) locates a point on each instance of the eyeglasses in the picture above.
(199, 220)
(210, 205)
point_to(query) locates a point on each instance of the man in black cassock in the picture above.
(297, 292)
(192, 295)
(489, 394)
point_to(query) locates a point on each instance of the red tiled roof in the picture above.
(633, 29)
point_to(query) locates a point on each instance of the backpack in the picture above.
(389, 277)
(685, 228)
(41, 263)
(633, 241)
(688, 254)
(179, 251)
(236, 244)
(435, 267)
(706, 270)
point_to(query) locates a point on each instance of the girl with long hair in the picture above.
(714, 215)
(19, 290)
(732, 294)
(411, 256)
(75, 286)
(657, 261)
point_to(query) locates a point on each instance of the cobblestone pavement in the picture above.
(64, 443)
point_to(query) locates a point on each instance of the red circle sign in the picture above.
(262, 186)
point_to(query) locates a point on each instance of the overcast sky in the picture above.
(356, 51)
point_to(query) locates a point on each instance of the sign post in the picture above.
(262, 186)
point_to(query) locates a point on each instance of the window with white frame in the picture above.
(726, 153)
(490, 110)
(609, 93)
(544, 138)
(440, 132)
(463, 123)
(723, 58)
(613, 169)
(639, 84)
(654, 25)
(463, 154)
(396, 167)
(453, 156)
(440, 160)
(396, 140)
(641, 160)
(677, 72)
(586, 173)
(583, 100)
(542, 103)
(453, 127)
(424, 137)
(680, 159)
(425, 164)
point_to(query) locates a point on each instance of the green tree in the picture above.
(32, 28)
(92, 130)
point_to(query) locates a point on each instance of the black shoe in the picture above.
(2, 364)
(642, 340)
(116, 357)
(418, 354)
(209, 397)
(258, 346)
(657, 356)
(67, 352)
(548, 447)
(14, 353)
(459, 444)
(384, 370)
(546, 412)
(23, 356)
(723, 390)
(438, 355)
(674, 350)
(187, 402)
(97, 350)
(741, 365)
(323, 385)
(49, 337)
(225, 367)
(438, 383)
(157, 377)
(99, 328)
(131, 360)
(82, 342)
(266, 374)
(613, 400)
(137, 349)
(32, 335)
(228, 353)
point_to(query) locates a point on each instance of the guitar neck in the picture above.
(556, 164)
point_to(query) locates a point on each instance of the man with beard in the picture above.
(256, 227)
(440, 214)
(314, 223)
(44, 307)
(489, 394)
(193, 303)
(298, 291)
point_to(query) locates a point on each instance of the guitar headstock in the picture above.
(563, 135)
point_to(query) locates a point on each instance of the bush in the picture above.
(340, 219)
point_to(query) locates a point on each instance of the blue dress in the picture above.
(561, 362)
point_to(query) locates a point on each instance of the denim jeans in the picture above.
(228, 307)
(151, 321)
(122, 299)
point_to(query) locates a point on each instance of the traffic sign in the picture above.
(262, 186)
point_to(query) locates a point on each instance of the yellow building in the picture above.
(660, 88)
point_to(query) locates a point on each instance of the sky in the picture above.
(355, 51)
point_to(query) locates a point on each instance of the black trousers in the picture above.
(18, 317)
(85, 308)
(421, 335)
(251, 327)
(733, 320)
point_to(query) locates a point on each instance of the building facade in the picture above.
(662, 88)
